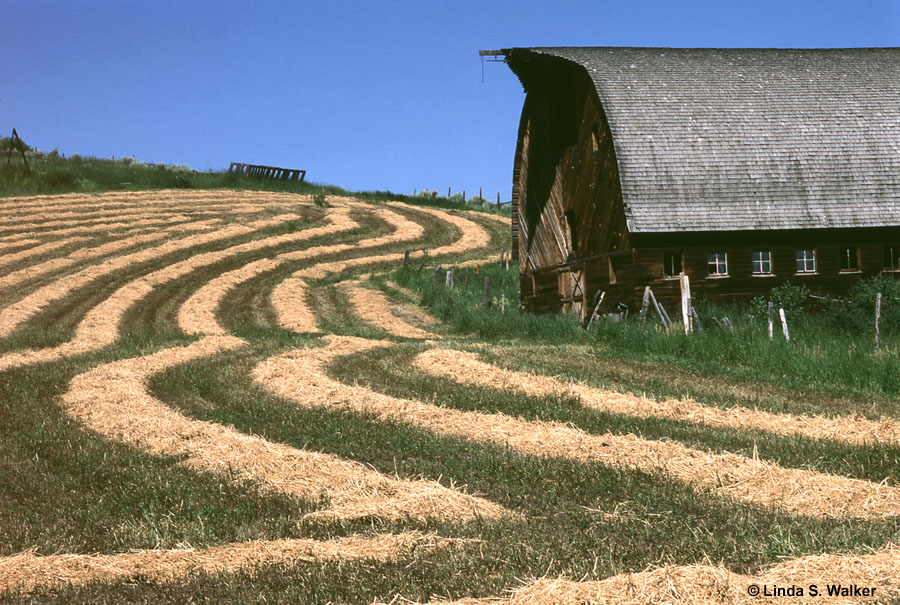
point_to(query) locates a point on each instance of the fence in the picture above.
(267, 172)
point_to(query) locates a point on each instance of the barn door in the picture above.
(572, 293)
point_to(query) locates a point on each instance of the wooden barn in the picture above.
(742, 168)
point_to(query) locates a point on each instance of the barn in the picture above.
(741, 168)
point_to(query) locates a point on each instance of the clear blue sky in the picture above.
(367, 95)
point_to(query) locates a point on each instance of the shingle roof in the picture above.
(746, 139)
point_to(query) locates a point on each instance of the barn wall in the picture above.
(566, 192)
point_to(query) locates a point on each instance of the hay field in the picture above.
(228, 396)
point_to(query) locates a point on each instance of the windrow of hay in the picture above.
(19, 312)
(289, 301)
(120, 228)
(9, 259)
(112, 400)
(157, 198)
(466, 368)
(300, 376)
(100, 326)
(56, 264)
(375, 308)
(26, 572)
(26, 239)
(474, 236)
(713, 585)
(198, 314)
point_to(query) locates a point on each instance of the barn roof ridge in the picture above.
(723, 139)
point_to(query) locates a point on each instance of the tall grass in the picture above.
(821, 356)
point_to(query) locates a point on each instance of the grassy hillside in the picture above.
(240, 395)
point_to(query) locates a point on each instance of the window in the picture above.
(762, 262)
(892, 258)
(849, 258)
(671, 264)
(806, 261)
(717, 263)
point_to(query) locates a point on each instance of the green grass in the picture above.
(64, 489)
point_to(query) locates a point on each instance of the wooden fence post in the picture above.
(696, 319)
(784, 325)
(877, 320)
(467, 279)
(663, 316)
(487, 292)
(645, 304)
(405, 258)
(686, 303)
(771, 320)
(596, 310)
(502, 255)
(503, 303)
(449, 279)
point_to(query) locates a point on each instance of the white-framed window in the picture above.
(806, 260)
(717, 263)
(849, 259)
(762, 262)
(892, 258)
(671, 264)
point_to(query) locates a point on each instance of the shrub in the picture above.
(793, 299)
(320, 200)
(856, 311)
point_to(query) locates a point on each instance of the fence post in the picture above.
(448, 281)
(696, 319)
(503, 303)
(784, 325)
(645, 304)
(771, 320)
(405, 258)
(596, 310)
(467, 279)
(502, 255)
(487, 292)
(686, 303)
(877, 319)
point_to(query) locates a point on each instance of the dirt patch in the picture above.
(466, 368)
(299, 376)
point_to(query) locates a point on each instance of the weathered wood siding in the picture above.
(566, 194)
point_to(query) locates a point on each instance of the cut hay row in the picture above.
(473, 237)
(52, 265)
(19, 312)
(101, 223)
(143, 199)
(100, 326)
(377, 309)
(300, 376)
(108, 229)
(112, 401)
(713, 585)
(465, 368)
(198, 314)
(42, 249)
(287, 297)
(26, 572)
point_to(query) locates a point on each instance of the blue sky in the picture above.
(367, 95)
